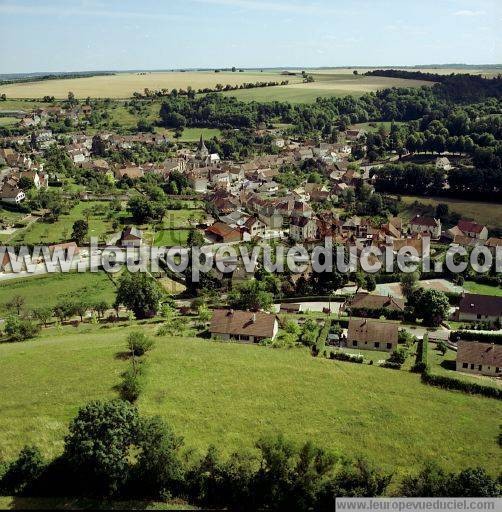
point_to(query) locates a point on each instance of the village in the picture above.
(251, 202)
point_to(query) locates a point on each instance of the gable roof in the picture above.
(479, 353)
(476, 304)
(419, 220)
(369, 301)
(236, 322)
(364, 329)
(468, 226)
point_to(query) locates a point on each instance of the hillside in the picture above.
(230, 394)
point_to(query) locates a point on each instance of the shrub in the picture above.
(132, 383)
(23, 472)
(446, 382)
(421, 361)
(19, 330)
(391, 364)
(344, 356)
(139, 343)
(398, 356)
(476, 336)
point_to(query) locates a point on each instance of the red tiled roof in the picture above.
(479, 353)
(226, 321)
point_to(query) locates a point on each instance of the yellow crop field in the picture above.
(123, 85)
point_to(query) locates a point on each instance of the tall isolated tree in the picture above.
(140, 293)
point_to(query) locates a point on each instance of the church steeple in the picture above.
(202, 151)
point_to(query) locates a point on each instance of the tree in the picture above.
(139, 343)
(195, 239)
(140, 293)
(430, 305)
(25, 183)
(23, 473)
(16, 303)
(370, 283)
(442, 347)
(409, 283)
(251, 296)
(80, 230)
(98, 446)
(43, 314)
(158, 471)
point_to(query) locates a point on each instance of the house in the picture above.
(222, 233)
(369, 334)
(302, 229)
(479, 308)
(64, 250)
(374, 302)
(443, 163)
(354, 134)
(423, 224)
(133, 172)
(11, 193)
(255, 227)
(252, 327)
(472, 229)
(130, 237)
(290, 308)
(479, 358)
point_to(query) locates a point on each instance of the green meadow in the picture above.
(230, 394)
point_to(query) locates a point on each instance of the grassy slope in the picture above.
(46, 290)
(489, 214)
(230, 394)
(482, 289)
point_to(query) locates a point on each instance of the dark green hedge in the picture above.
(446, 382)
(476, 336)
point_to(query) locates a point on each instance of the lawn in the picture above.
(230, 394)
(192, 134)
(482, 289)
(374, 127)
(171, 237)
(489, 214)
(47, 289)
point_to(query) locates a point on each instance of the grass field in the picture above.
(230, 394)
(488, 214)
(171, 237)
(52, 232)
(8, 121)
(46, 290)
(192, 134)
(374, 127)
(483, 289)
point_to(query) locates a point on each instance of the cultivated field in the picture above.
(123, 85)
(230, 394)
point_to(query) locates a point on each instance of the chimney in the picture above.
(254, 318)
(230, 312)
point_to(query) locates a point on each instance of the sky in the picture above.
(78, 35)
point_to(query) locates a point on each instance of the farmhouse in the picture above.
(372, 334)
(482, 308)
(229, 324)
(479, 358)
